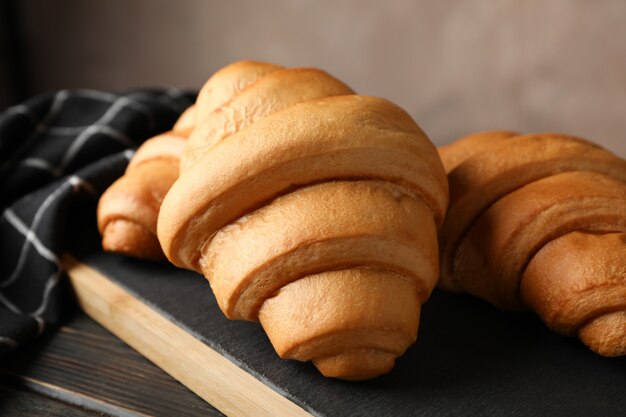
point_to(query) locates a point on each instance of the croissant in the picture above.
(539, 222)
(315, 212)
(128, 210)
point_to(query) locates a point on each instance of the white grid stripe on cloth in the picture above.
(55, 108)
(36, 314)
(111, 98)
(40, 125)
(41, 164)
(170, 99)
(65, 130)
(41, 325)
(22, 109)
(84, 132)
(128, 154)
(9, 304)
(56, 172)
(100, 126)
(108, 119)
(29, 232)
(30, 236)
(76, 183)
(7, 341)
(52, 282)
(60, 98)
(87, 133)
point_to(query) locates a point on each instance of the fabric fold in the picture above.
(57, 151)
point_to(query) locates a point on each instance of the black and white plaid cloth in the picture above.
(55, 150)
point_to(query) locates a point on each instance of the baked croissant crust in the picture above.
(315, 212)
(539, 222)
(128, 210)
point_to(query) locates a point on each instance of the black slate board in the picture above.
(470, 359)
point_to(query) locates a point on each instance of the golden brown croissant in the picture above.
(538, 222)
(128, 210)
(273, 92)
(315, 215)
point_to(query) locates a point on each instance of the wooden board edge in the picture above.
(204, 371)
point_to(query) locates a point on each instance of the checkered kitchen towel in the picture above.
(56, 150)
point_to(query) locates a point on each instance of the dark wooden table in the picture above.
(80, 369)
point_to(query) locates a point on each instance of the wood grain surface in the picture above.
(203, 370)
(83, 370)
(16, 402)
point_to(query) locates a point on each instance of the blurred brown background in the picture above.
(456, 65)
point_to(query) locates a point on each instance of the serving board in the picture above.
(470, 359)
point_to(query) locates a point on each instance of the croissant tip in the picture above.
(606, 334)
(356, 365)
(130, 239)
